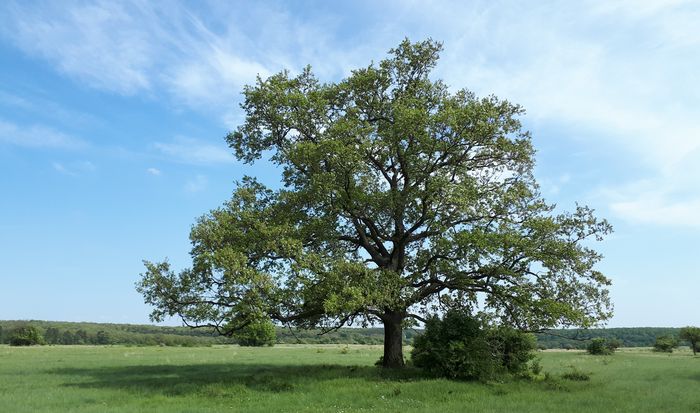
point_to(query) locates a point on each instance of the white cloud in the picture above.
(554, 186)
(10, 99)
(212, 75)
(154, 171)
(37, 136)
(669, 198)
(199, 58)
(194, 151)
(651, 208)
(619, 73)
(197, 184)
(134, 47)
(36, 105)
(602, 69)
(624, 72)
(60, 168)
(74, 168)
(98, 43)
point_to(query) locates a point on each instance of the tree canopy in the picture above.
(692, 336)
(398, 199)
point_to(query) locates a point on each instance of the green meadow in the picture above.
(330, 378)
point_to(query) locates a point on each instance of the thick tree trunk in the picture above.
(393, 340)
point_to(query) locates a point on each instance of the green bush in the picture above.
(461, 347)
(602, 347)
(256, 334)
(665, 344)
(576, 375)
(513, 348)
(26, 336)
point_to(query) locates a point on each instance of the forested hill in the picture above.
(630, 336)
(58, 332)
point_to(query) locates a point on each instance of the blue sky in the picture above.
(112, 118)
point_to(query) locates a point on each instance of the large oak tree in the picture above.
(398, 199)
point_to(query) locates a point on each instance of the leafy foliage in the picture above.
(455, 347)
(257, 333)
(602, 347)
(665, 344)
(460, 347)
(398, 198)
(513, 348)
(692, 336)
(26, 336)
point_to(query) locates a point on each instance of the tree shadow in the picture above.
(224, 379)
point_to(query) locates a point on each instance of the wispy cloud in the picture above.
(98, 43)
(154, 171)
(670, 197)
(37, 136)
(199, 57)
(194, 151)
(655, 209)
(197, 184)
(134, 47)
(621, 72)
(38, 106)
(553, 186)
(625, 72)
(76, 168)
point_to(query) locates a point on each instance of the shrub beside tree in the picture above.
(461, 346)
(692, 336)
(514, 349)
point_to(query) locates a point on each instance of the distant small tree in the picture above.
(665, 344)
(691, 335)
(26, 336)
(256, 334)
(601, 347)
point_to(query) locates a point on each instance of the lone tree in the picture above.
(398, 199)
(692, 336)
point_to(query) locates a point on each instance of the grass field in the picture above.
(326, 379)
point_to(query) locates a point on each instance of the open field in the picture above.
(326, 379)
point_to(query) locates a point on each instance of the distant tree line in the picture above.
(625, 337)
(60, 333)
(70, 333)
(64, 333)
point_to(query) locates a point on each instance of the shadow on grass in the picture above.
(224, 379)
